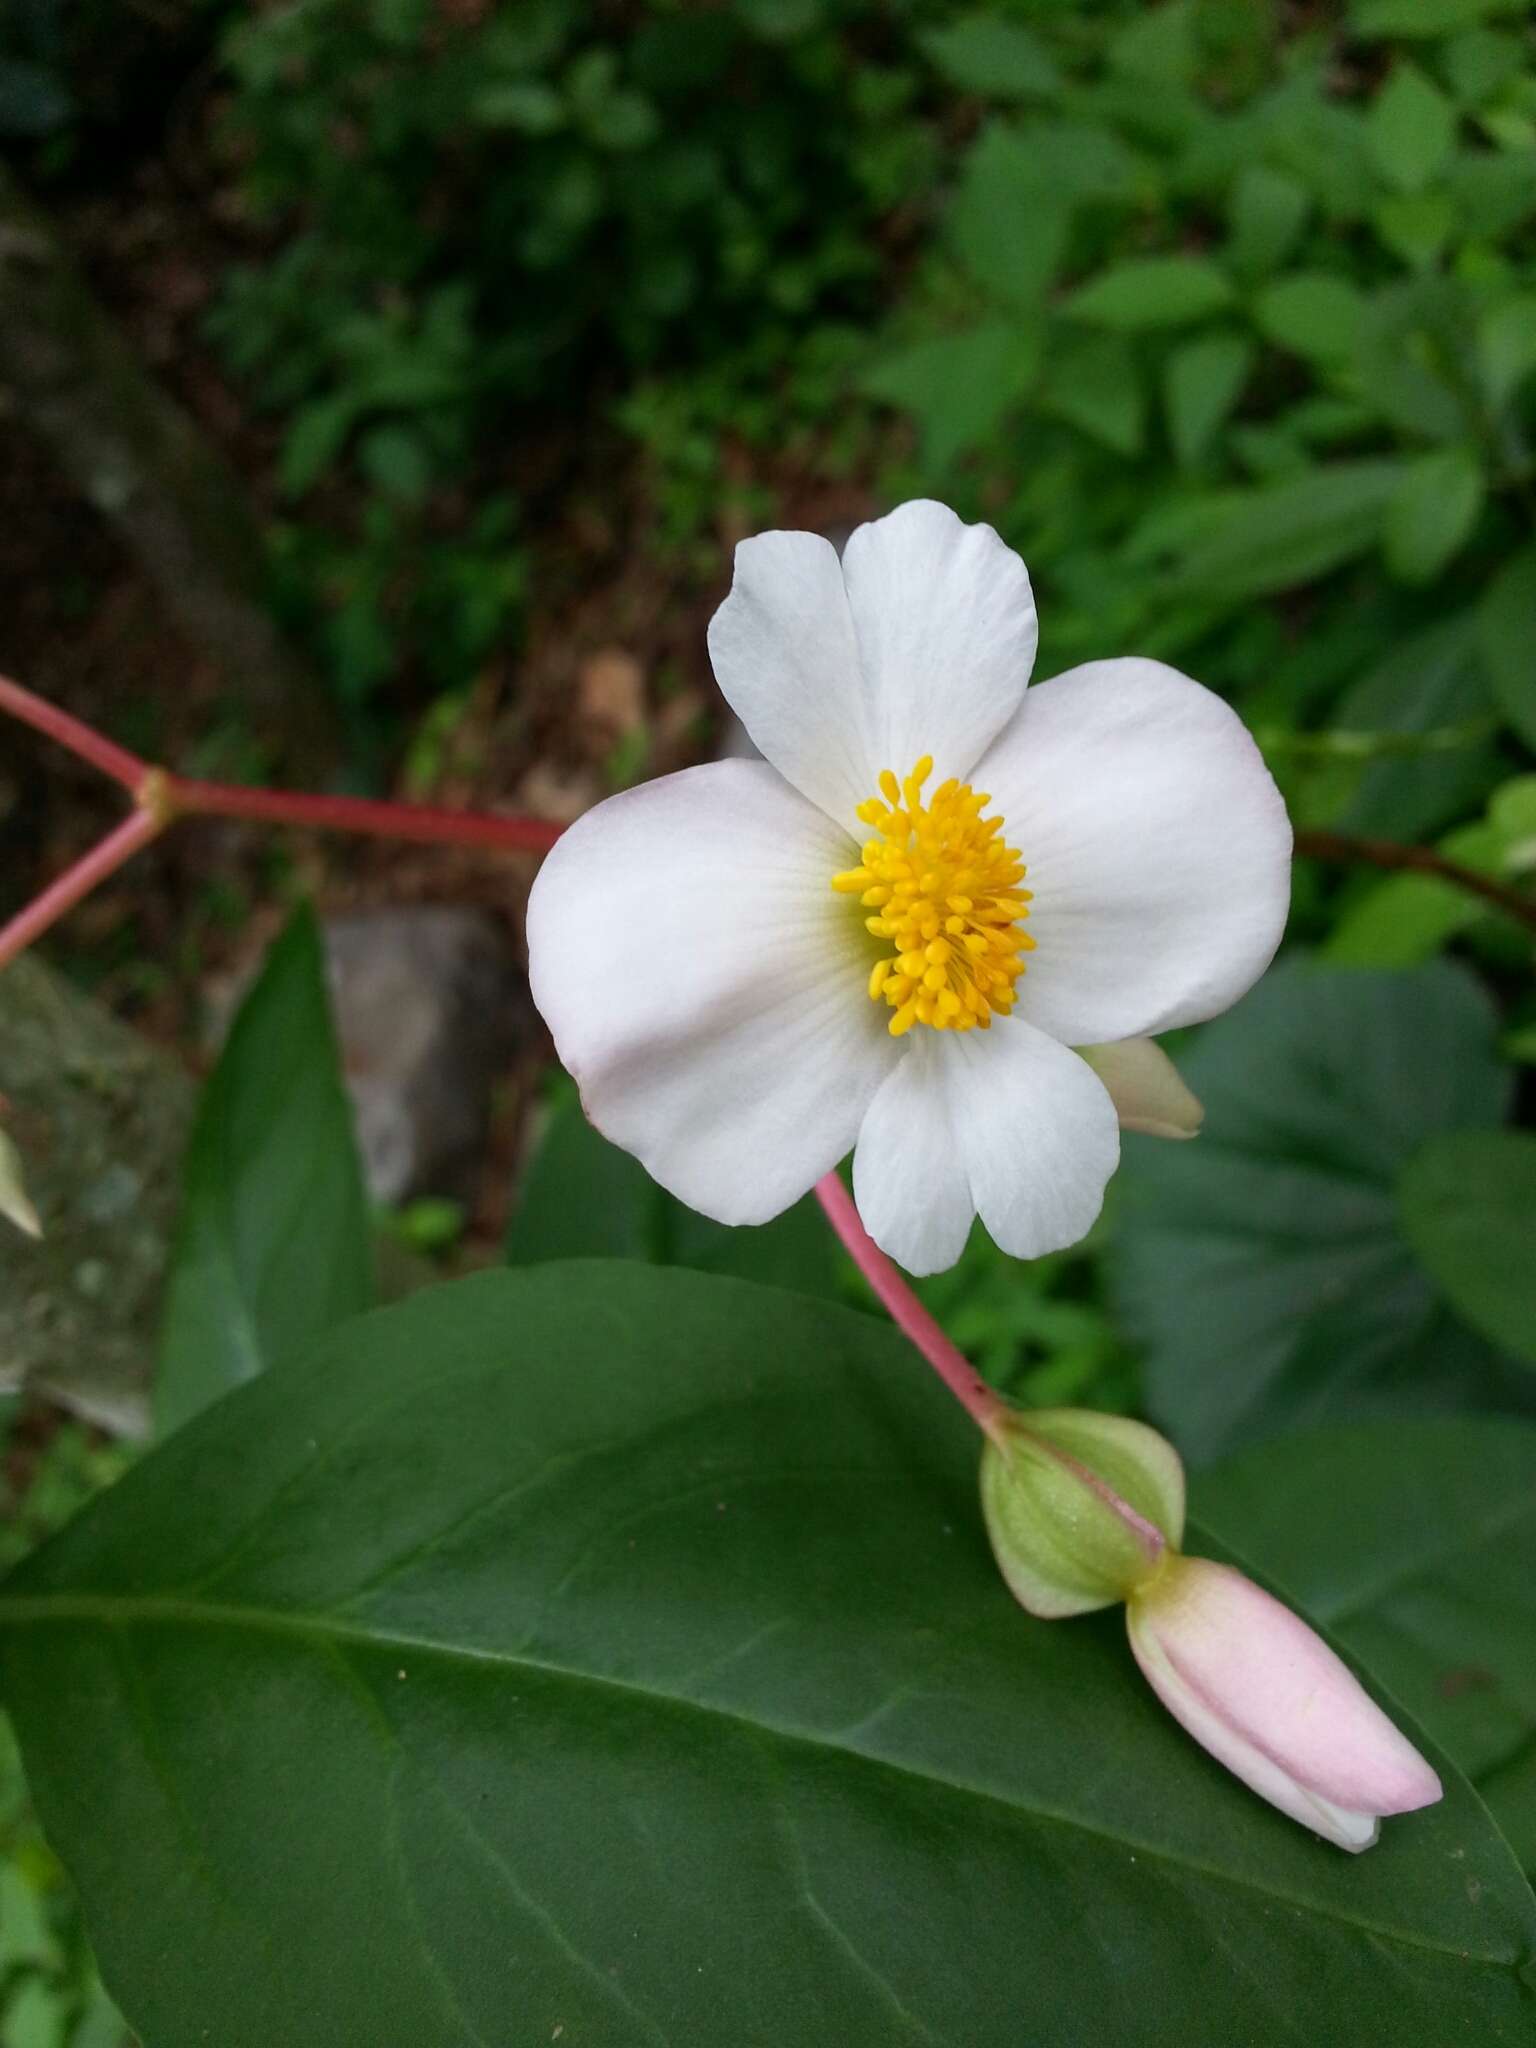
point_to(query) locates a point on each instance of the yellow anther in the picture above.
(947, 892)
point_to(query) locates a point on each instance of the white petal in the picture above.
(909, 1181)
(706, 987)
(926, 648)
(945, 622)
(1146, 1088)
(1038, 1133)
(1005, 1123)
(1157, 845)
(784, 654)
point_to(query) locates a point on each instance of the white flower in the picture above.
(705, 948)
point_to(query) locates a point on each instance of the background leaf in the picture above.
(1314, 313)
(273, 1248)
(1152, 291)
(583, 1198)
(1203, 381)
(1010, 217)
(1412, 129)
(616, 1654)
(1423, 17)
(1253, 542)
(1266, 213)
(999, 59)
(1507, 643)
(1469, 1208)
(1264, 1264)
(957, 386)
(1432, 681)
(1415, 1543)
(1432, 513)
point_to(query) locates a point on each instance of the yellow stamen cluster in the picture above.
(943, 891)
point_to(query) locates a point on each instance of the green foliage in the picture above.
(484, 213)
(1265, 1265)
(1452, 1633)
(1037, 1331)
(274, 1246)
(1409, 918)
(610, 1651)
(629, 1689)
(1274, 337)
(584, 1198)
(1469, 1202)
(50, 1994)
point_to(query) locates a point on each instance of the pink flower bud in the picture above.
(1269, 1699)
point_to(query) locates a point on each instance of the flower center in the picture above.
(943, 893)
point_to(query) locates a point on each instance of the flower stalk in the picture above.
(161, 797)
(985, 1406)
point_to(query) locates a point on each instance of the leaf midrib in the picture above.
(116, 1613)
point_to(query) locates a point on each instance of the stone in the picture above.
(100, 1117)
(430, 1007)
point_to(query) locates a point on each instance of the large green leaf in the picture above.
(611, 1655)
(584, 1198)
(273, 1248)
(1264, 1264)
(1469, 1208)
(1415, 1542)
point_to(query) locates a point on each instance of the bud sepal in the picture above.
(1081, 1508)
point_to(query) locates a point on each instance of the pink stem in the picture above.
(81, 739)
(67, 889)
(357, 814)
(982, 1403)
(985, 1406)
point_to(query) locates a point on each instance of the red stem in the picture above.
(982, 1403)
(358, 814)
(81, 739)
(66, 890)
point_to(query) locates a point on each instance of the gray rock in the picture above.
(101, 1119)
(430, 1006)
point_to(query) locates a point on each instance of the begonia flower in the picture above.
(889, 935)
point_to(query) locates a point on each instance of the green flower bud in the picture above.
(1081, 1508)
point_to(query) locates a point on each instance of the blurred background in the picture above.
(383, 386)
